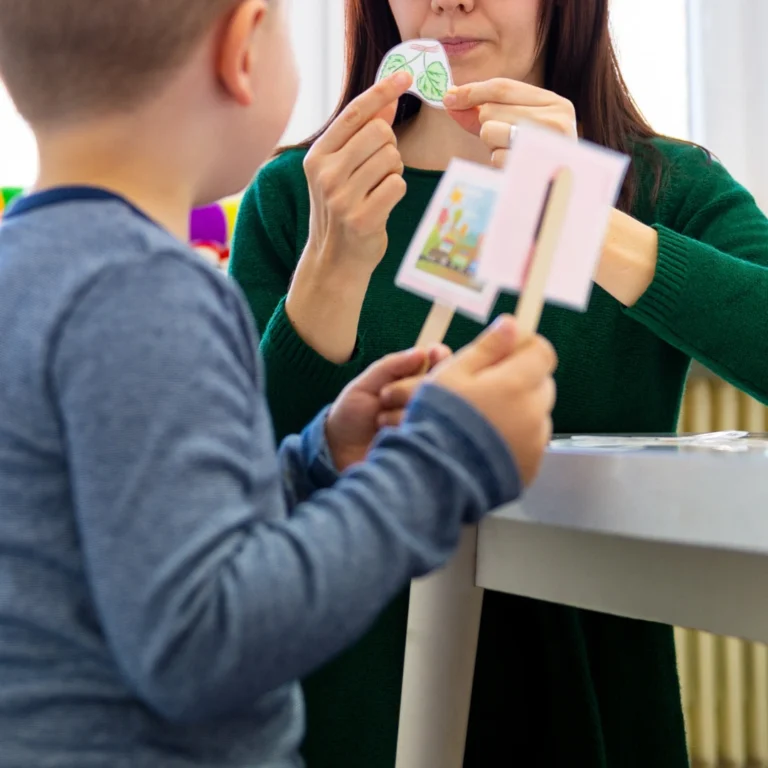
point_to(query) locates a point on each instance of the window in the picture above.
(18, 155)
(652, 43)
(318, 40)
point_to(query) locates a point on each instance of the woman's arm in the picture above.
(343, 191)
(272, 219)
(698, 278)
(628, 263)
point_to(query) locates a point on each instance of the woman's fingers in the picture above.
(508, 101)
(496, 134)
(468, 119)
(361, 111)
(383, 163)
(380, 202)
(499, 158)
(499, 90)
(367, 142)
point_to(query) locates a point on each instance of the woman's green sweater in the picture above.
(554, 686)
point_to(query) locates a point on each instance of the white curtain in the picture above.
(729, 86)
(651, 39)
(318, 39)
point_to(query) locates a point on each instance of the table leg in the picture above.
(443, 629)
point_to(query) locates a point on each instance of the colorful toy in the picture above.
(210, 227)
(210, 231)
(6, 195)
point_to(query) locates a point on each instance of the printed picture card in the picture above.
(443, 260)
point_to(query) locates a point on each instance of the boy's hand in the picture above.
(510, 383)
(354, 419)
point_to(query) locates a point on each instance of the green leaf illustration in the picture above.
(395, 63)
(433, 83)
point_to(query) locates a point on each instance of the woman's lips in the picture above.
(456, 46)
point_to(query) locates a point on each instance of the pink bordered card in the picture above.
(537, 158)
(442, 261)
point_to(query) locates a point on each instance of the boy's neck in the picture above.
(146, 171)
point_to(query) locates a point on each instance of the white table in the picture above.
(676, 536)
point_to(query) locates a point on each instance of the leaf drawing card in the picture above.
(427, 61)
(442, 261)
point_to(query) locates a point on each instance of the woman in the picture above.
(684, 274)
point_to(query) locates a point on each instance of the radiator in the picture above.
(724, 681)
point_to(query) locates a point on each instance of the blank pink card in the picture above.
(537, 154)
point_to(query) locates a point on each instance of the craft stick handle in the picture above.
(435, 326)
(533, 296)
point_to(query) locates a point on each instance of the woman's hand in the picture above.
(492, 109)
(354, 172)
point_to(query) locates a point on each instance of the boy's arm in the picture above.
(306, 464)
(209, 595)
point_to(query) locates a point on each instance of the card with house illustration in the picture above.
(442, 260)
(427, 61)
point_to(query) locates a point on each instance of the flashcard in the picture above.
(427, 61)
(537, 157)
(442, 261)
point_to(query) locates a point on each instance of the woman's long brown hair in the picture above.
(581, 65)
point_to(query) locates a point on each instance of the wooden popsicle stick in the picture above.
(436, 325)
(446, 607)
(532, 297)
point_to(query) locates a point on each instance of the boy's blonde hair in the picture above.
(67, 59)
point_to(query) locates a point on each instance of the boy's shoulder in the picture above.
(69, 246)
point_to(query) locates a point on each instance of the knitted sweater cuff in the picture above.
(661, 301)
(285, 352)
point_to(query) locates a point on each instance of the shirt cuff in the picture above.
(321, 469)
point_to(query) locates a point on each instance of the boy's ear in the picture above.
(238, 50)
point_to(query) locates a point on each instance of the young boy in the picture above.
(165, 576)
